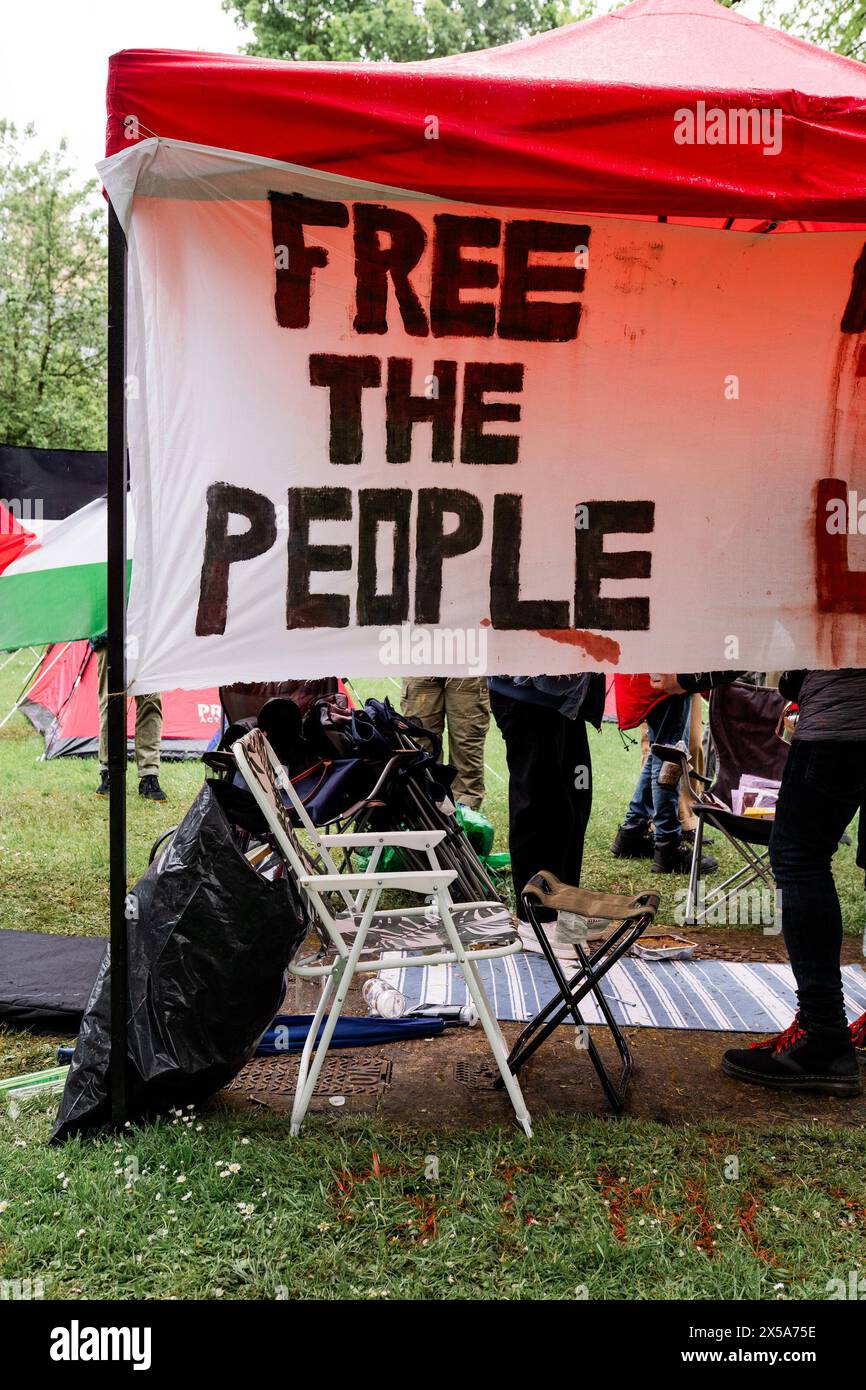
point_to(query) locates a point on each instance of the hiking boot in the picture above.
(689, 837)
(149, 787)
(103, 788)
(858, 1036)
(675, 857)
(633, 842)
(799, 1060)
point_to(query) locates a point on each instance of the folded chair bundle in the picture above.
(366, 769)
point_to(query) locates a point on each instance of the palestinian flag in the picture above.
(14, 539)
(55, 591)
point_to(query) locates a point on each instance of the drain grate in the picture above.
(478, 1076)
(341, 1075)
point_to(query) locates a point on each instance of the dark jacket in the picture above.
(574, 697)
(832, 703)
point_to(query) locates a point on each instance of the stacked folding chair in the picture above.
(381, 773)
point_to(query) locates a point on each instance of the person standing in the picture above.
(463, 705)
(543, 723)
(823, 787)
(148, 735)
(668, 719)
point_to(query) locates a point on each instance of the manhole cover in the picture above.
(341, 1075)
(479, 1076)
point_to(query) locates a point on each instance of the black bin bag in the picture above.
(208, 951)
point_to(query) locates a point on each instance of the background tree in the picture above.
(52, 300)
(836, 24)
(399, 30)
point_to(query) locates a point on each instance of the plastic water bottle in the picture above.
(571, 928)
(464, 1014)
(383, 999)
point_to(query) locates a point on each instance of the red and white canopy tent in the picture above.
(578, 119)
(645, 115)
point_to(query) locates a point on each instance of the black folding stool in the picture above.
(634, 915)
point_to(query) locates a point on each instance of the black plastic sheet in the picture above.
(208, 951)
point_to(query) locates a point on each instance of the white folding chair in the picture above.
(354, 934)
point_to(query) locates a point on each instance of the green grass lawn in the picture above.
(617, 1210)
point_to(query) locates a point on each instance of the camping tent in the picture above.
(53, 592)
(63, 705)
(578, 118)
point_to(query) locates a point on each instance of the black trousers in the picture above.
(549, 790)
(823, 786)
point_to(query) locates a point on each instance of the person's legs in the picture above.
(102, 668)
(579, 761)
(665, 724)
(640, 808)
(148, 734)
(423, 698)
(541, 828)
(467, 714)
(822, 786)
(693, 736)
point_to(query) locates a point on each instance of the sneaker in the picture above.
(633, 842)
(858, 1036)
(530, 941)
(103, 788)
(149, 788)
(797, 1060)
(675, 857)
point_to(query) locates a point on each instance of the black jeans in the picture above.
(823, 786)
(549, 791)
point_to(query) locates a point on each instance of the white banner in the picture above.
(373, 434)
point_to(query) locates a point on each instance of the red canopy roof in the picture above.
(579, 118)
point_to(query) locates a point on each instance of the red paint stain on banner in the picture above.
(598, 647)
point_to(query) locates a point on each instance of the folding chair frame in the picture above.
(706, 807)
(360, 893)
(638, 914)
(757, 866)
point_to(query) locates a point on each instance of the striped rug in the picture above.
(710, 995)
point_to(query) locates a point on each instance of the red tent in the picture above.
(579, 118)
(63, 704)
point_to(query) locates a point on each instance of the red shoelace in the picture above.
(794, 1033)
(783, 1041)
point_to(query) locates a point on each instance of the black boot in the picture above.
(675, 857)
(633, 842)
(689, 837)
(102, 789)
(799, 1060)
(149, 787)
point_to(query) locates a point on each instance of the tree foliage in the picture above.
(52, 300)
(839, 25)
(398, 30)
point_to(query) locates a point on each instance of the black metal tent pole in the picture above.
(116, 611)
